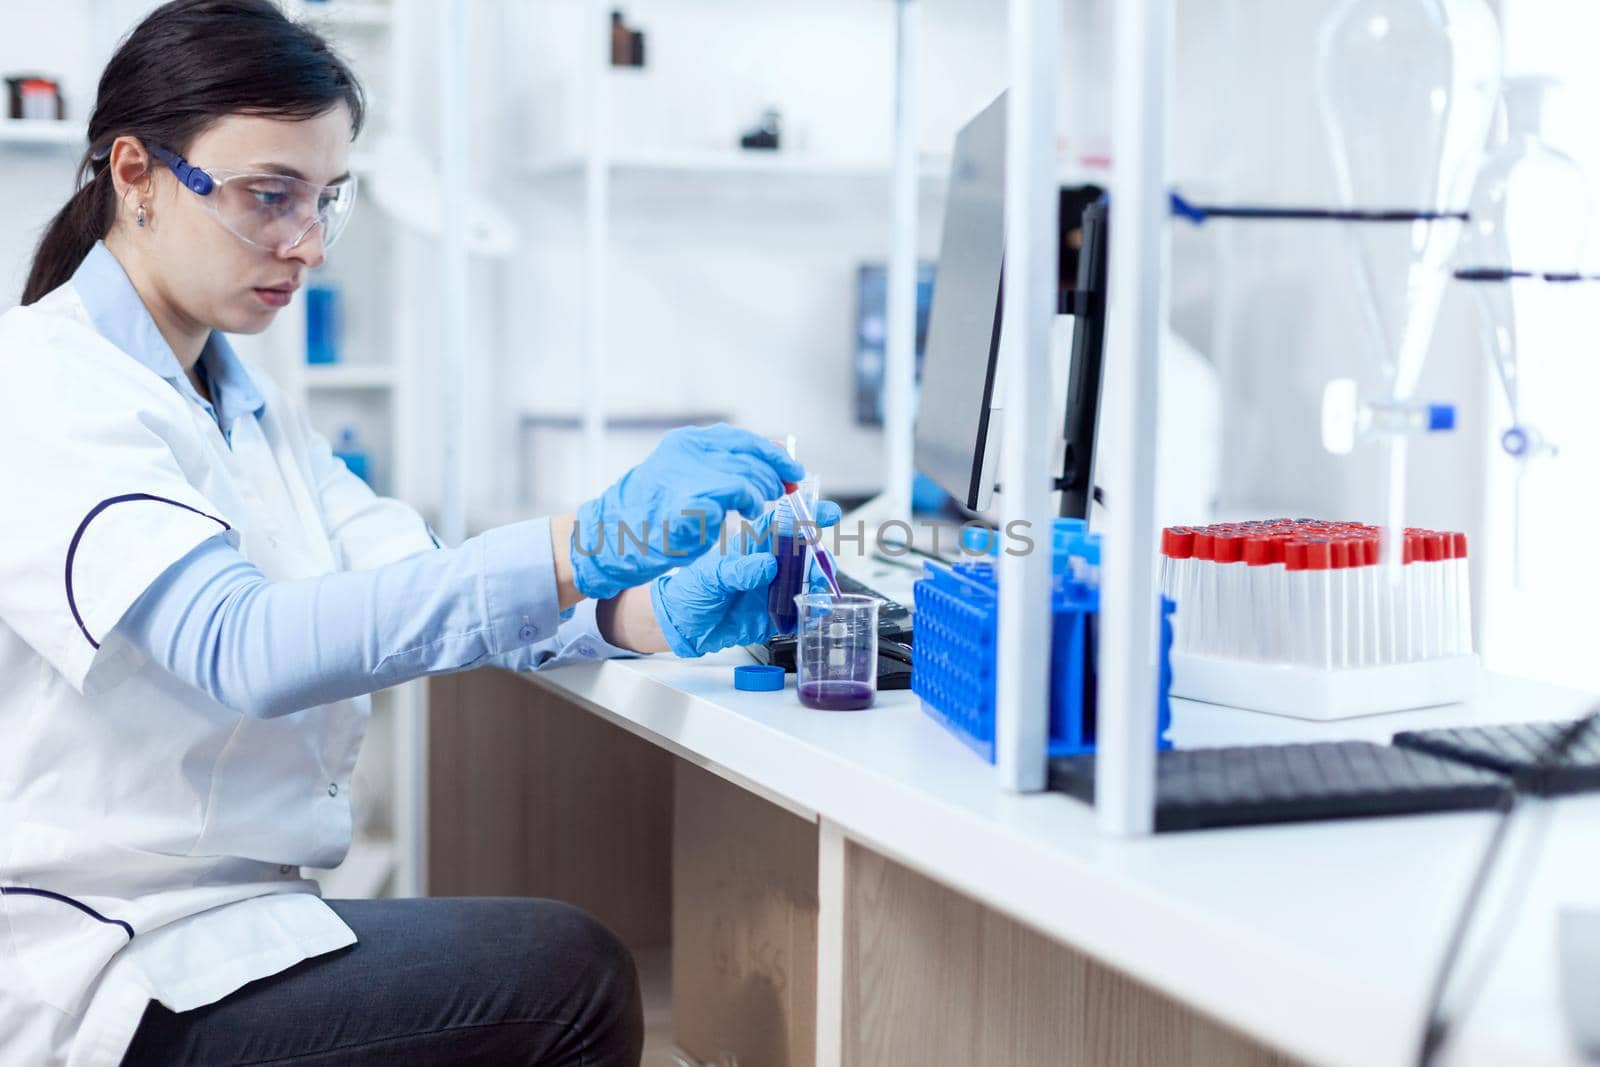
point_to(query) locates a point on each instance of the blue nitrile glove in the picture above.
(720, 600)
(668, 509)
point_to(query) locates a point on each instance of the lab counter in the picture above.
(954, 919)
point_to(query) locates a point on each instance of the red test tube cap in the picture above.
(1294, 556)
(1257, 551)
(1319, 555)
(1458, 545)
(1177, 542)
(1230, 548)
(1339, 554)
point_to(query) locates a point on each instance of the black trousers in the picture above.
(471, 980)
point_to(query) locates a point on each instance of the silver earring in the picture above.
(141, 219)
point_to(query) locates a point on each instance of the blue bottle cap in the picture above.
(978, 541)
(1441, 417)
(758, 678)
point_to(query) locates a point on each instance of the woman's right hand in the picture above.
(668, 510)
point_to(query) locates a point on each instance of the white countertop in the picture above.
(1320, 939)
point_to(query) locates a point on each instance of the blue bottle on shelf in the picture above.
(322, 324)
(349, 449)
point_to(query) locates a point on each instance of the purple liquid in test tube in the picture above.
(789, 546)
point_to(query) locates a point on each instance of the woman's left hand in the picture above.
(721, 599)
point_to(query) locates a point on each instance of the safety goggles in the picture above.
(271, 211)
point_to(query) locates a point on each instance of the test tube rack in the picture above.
(956, 634)
(1297, 618)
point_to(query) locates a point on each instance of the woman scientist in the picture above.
(196, 597)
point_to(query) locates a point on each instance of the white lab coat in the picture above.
(151, 839)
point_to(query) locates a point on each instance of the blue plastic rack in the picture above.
(955, 622)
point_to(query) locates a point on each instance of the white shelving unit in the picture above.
(43, 133)
(607, 175)
(374, 386)
(712, 163)
(349, 376)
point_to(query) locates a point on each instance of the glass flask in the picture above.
(1530, 210)
(1407, 91)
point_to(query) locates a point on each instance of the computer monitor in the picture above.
(958, 370)
(958, 416)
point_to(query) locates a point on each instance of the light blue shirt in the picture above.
(268, 648)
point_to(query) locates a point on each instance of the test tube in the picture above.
(791, 543)
(1463, 593)
(1203, 623)
(1297, 586)
(1376, 642)
(1436, 545)
(1177, 552)
(1261, 600)
(1339, 601)
(1319, 561)
(1230, 591)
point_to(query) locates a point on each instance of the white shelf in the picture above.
(349, 376)
(43, 133)
(360, 14)
(736, 162)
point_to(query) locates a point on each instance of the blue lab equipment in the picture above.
(956, 622)
(322, 324)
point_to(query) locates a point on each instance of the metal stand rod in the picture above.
(1136, 318)
(1022, 668)
(899, 375)
(596, 60)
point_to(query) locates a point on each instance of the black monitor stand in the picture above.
(1087, 304)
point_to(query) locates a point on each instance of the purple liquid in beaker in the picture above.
(790, 549)
(836, 696)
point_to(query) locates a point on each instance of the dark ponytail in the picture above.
(188, 64)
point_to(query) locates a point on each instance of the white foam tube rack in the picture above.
(1295, 617)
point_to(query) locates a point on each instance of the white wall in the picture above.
(1546, 628)
(736, 294)
(1275, 304)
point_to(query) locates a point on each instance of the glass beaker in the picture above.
(836, 657)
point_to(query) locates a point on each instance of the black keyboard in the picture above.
(1515, 751)
(1201, 788)
(893, 616)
